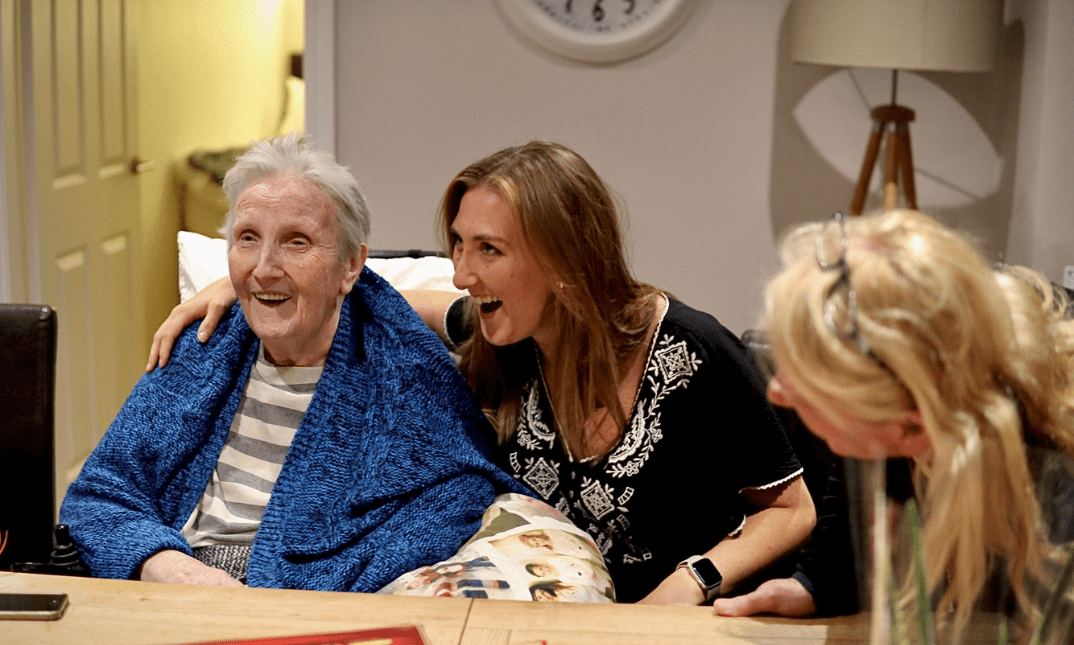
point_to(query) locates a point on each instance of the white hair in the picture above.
(291, 155)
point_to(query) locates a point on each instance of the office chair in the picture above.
(27, 394)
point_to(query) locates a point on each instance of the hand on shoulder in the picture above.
(211, 303)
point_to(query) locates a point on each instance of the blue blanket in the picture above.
(388, 471)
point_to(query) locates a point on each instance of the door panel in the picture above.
(86, 214)
(72, 305)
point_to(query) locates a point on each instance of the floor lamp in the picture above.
(936, 35)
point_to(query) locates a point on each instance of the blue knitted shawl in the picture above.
(388, 471)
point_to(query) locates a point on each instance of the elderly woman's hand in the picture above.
(210, 304)
(177, 567)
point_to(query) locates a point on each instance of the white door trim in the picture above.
(6, 267)
(7, 261)
(319, 72)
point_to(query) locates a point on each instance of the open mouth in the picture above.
(488, 304)
(271, 299)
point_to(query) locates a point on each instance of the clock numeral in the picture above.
(598, 12)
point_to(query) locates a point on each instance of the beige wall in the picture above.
(698, 137)
(1042, 229)
(211, 75)
(682, 134)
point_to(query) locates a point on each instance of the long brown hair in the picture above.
(601, 313)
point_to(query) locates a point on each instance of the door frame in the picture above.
(319, 72)
(13, 252)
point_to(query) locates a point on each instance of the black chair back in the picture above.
(27, 464)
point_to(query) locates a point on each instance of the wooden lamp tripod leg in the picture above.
(891, 171)
(906, 165)
(872, 150)
(897, 158)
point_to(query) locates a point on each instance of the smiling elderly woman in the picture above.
(322, 439)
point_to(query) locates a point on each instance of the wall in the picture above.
(682, 134)
(697, 137)
(211, 75)
(1042, 232)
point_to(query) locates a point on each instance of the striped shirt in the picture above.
(273, 404)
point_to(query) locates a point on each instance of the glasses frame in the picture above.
(852, 332)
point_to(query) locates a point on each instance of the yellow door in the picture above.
(83, 219)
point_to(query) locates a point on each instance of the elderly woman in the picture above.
(322, 439)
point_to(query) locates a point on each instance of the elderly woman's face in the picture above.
(285, 269)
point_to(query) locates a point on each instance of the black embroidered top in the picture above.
(700, 431)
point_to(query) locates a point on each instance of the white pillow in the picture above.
(429, 272)
(203, 260)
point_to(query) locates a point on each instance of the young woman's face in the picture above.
(847, 435)
(500, 270)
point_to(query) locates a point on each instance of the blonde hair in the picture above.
(984, 354)
(601, 314)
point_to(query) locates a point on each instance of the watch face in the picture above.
(707, 572)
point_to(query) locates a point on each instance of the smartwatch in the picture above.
(705, 574)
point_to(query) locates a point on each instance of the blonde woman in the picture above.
(893, 337)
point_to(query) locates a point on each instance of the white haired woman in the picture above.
(322, 439)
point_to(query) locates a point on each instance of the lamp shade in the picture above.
(939, 35)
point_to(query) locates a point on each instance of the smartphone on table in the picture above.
(32, 606)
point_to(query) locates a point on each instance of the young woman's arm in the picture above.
(432, 306)
(782, 524)
(211, 302)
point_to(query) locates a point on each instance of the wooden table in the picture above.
(118, 612)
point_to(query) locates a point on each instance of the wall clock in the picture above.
(596, 31)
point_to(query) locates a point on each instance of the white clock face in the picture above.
(600, 16)
(596, 31)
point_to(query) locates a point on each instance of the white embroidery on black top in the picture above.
(675, 362)
(671, 368)
(531, 421)
(598, 498)
(542, 476)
